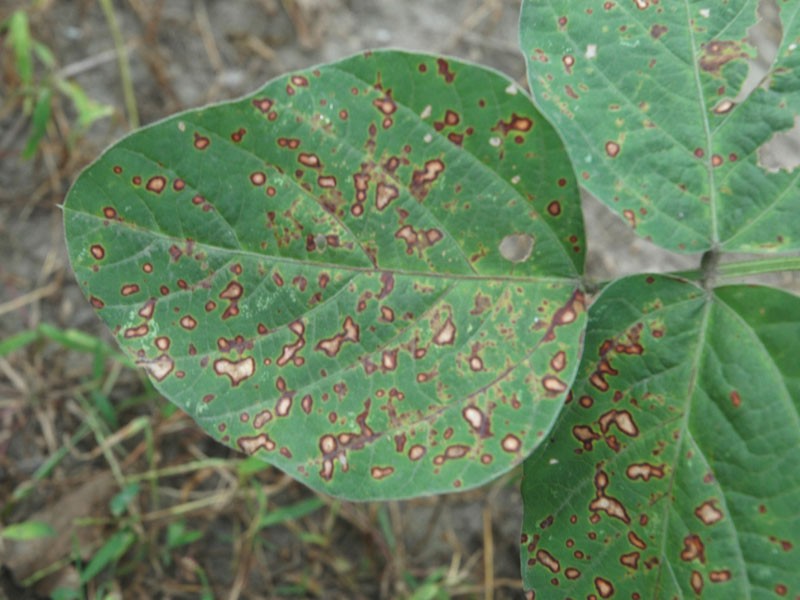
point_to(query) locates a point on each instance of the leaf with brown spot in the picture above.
(662, 483)
(335, 280)
(663, 123)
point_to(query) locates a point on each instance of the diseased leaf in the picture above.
(365, 273)
(647, 97)
(674, 471)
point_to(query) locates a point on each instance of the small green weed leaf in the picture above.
(108, 554)
(674, 470)
(364, 273)
(27, 530)
(648, 98)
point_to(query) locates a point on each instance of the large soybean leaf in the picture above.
(648, 98)
(364, 273)
(674, 471)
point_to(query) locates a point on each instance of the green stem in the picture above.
(124, 66)
(747, 267)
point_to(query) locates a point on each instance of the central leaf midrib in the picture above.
(323, 265)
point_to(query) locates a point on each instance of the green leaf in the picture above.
(645, 96)
(88, 110)
(39, 121)
(108, 554)
(674, 471)
(27, 530)
(365, 273)
(20, 41)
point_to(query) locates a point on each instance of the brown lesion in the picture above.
(237, 371)
(605, 503)
(693, 549)
(290, 351)
(419, 239)
(716, 54)
(332, 346)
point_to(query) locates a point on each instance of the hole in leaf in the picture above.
(516, 247)
(782, 150)
(765, 36)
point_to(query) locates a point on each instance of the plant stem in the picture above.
(124, 66)
(747, 267)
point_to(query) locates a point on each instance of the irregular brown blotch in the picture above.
(641, 4)
(612, 149)
(693, 549)
(387, 314)
(326, 181)
(237, 370)
(708, 513)
(553, 384)
(109, 213)
(585, 435)
(284, 405)
(636, 540)
(645, 471)
(332, 346)
(262, 418)
(631, 559)
(258, 178)
(129, 289)
(604, 587)
(309, 160)
(719, 576)
(572, 573)
(381, 472)
(622, 419)
(299, 81)
(568, 61)
(385, 104)
(515, 123)
(156, 184)
(477, 420)
(163, 343)
(446, 335)
(559, 361)
(96, 302)
(548, 560)
(233, 291)
(188, 322)
(718, 53)
(98, 251)
(443, 68)
(238, 135)
(716, 160)
(201, 142)
(416, 452)
(385, 193)
(736, 399)
(159, 367)
(136, 332)
(511, 443)
(250, 445)
(262, 104)
(611, 506)
(696, 581)
(658, 30)
(289, 351)
(433, 168)
(389, 360)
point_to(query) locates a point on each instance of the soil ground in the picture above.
(103, 423)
